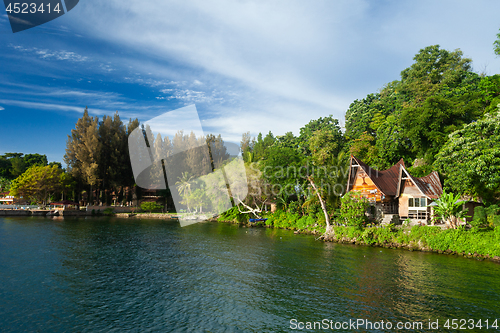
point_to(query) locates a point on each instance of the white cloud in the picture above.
(1, 108)
(43, 106)
(307, 52)
(51, 54)
(140, 112)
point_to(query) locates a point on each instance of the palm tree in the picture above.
(184, 187)
(450, 209)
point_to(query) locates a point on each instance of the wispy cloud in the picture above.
(1, 108)
(51, 54)
(36, 93)
(46, 106)
(188, 96)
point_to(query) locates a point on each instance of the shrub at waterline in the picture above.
(482, 242)
(486, 217)
(151, 206)
(233, 215)
(352, 209)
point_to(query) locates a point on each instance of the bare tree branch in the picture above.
(254, 211)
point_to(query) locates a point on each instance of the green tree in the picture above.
(184, 187)
(97, 153)
(284, 169)
(330, 163)
(218, 151)
(489, 90)
(364, 148)
(5, 166)
(392, 144)
(82, 151)
(38, 183)
(199, 199)
(111, 165)
(18, 167)
(5, 184)
(262, 146)
(34, 159)
(496, 45)
(413, 117)
(288, 140)
(359, 117)
(246, 146)
(470, 160)
(329, 126)
(352, 209)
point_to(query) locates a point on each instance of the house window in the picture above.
(417, 202)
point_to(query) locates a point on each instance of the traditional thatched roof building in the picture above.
(395, 190)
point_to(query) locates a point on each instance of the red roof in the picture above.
(430, 185)
(65, 202)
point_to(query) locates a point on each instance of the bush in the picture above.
(493, 215)
(486, 217)
(282, 219)
(294, 207)
(150, 206)
(233, 215)
(480, 218)
(109, 211)
(352, 209)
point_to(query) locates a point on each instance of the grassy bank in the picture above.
(473, 243)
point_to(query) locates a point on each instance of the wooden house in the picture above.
(395, 192)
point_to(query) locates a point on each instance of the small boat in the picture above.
(258, 220)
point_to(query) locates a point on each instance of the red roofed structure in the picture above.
(395, 191)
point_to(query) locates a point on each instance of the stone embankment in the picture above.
(41, 212)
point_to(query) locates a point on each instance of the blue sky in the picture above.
(247, 65)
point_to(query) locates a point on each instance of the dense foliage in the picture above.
(151, 206)
(352, 210)
(411, 118)
(12, 165)
(470, 159)
(39, 182)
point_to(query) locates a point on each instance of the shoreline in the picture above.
(342, 239)
(340, 235)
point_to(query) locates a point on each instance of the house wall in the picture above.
(408, 191)
(403, 205)
(365, 190)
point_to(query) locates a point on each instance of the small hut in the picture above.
(65, 205)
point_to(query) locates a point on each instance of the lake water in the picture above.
(128, 275)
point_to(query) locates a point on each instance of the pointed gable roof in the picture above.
(387, 180)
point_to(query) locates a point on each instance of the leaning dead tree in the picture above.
(254, 211)
(323, 205)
